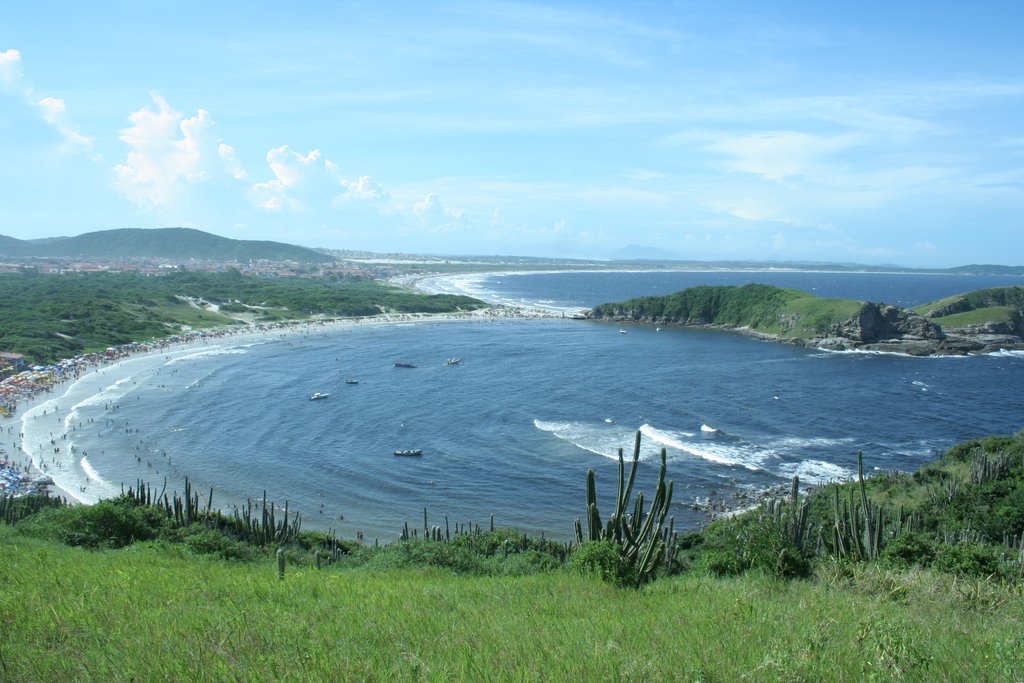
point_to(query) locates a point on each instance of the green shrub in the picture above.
(204, 541)
(720, 563)
(526, 563)
(909, 549)
(755, 541)
(967, 559)
(107, 524)
(597, 558)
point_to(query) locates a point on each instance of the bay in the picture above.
(512, 428)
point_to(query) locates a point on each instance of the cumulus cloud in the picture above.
(168, 153)
(308, 183)
(298, 180)
(53, 110)
(432, 214)
(365, 188)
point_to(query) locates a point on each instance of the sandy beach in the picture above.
(35, 452)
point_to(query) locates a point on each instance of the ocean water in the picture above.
(512, 429)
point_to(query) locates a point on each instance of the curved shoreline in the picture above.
(33, 394)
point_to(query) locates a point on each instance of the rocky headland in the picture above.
(985, 321)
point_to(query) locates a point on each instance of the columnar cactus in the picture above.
(639, 536)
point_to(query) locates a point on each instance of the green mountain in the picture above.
(170, 243)
(981, 321)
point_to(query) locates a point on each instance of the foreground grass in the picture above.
(159, 613)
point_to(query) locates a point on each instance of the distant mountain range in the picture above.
(182, 244)
(170, 243)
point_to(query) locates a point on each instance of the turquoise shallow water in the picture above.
(512, 429)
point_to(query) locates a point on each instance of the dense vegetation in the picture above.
(47, 317)
(794, 314)
(178, 244)
(151, 587)
(763, 308)
(996, 304)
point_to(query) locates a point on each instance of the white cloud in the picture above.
(55, 113)
(298, 179)
(227, 154)
(431, 213)
(778, 155)
(363, 189)
(312, 184)
(11, 76)
(168, 154)
(52, 109)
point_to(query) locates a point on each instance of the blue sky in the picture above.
(871, 133)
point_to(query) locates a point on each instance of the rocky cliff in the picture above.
(875, 327)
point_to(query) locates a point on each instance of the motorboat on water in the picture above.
(318, 396)
(351, 381)
(411, 451)
(623, 332)
(454, 361)
(405, 365)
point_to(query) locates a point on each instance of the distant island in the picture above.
(982, 321)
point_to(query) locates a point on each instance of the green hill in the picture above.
(978, 322)
(759, 308)
(996, 305)
(49, 317)
(170, 243)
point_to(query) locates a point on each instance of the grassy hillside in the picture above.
(159, 613)
(51, 317)
(171, 243)
(126, 590)
(794, 314)
(996, 304)
(762, 308)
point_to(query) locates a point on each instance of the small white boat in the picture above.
(351, 381)
(454, 361)
(609, 420)
(411, 451)
(318, 396)
(623, 332)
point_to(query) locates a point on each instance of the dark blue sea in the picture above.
(512, 429)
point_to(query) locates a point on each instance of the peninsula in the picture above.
(982, 321)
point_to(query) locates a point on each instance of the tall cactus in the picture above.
(639, 536)
(859, 528)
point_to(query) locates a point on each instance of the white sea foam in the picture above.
(665, 437)
(216, 351)
(600, 438)
(92, 473)
(733, 456)
(816, 471)
(731, 453)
